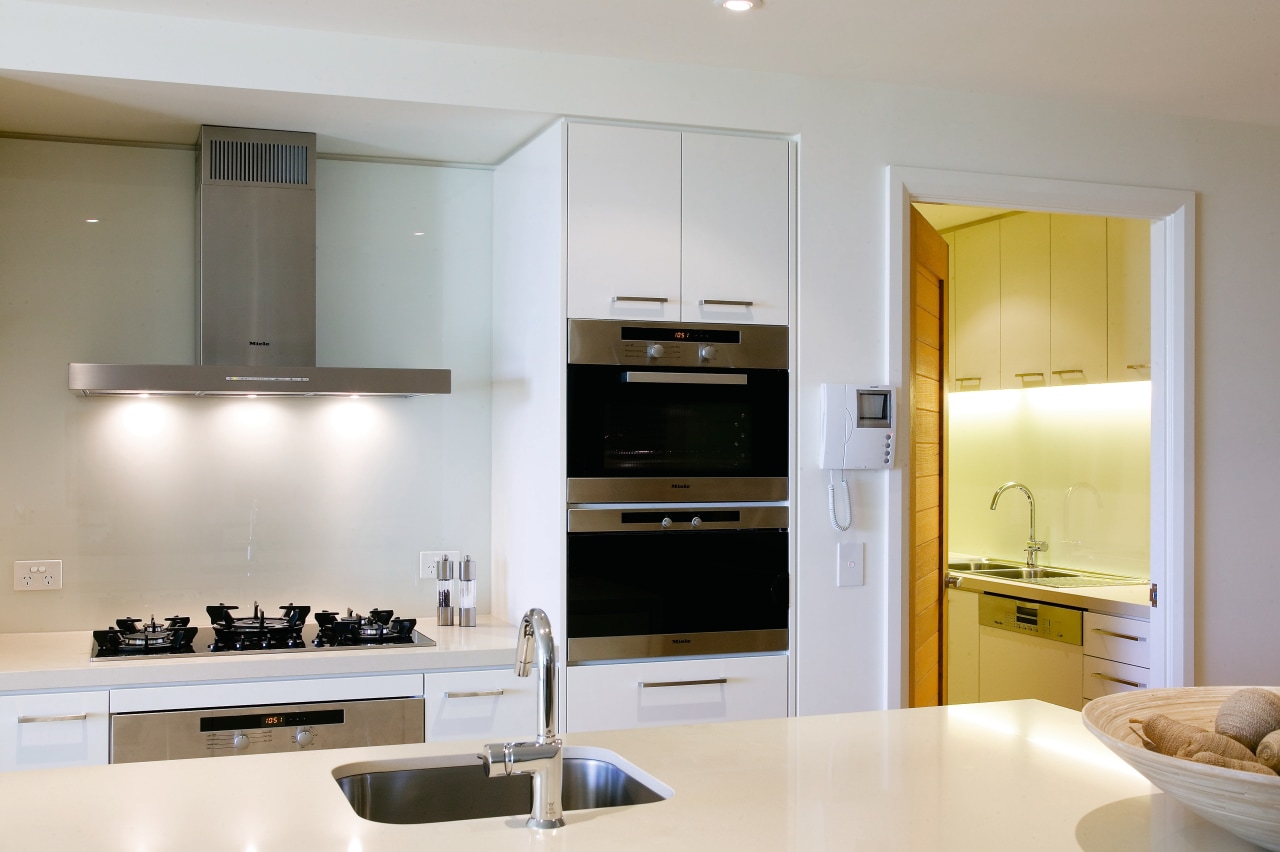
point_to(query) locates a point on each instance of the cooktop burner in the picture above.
(257, 633)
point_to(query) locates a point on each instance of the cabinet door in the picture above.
(1128, 300)
(57, 729)
(734, 233)
(1024, 301)
(490, 704)
(962, 647)
(977, 307)
(1078, 300)
(623, 222)
(676, 692)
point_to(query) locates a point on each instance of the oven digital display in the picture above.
(210, 724)
(692, 335)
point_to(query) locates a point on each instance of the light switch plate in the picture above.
(427, 560)
(39, 575)
(849, 564)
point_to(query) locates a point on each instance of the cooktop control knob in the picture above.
(697, 522)
(239, 741)
(706, 353)
(655, 350)
(304, 737)
(666, 522)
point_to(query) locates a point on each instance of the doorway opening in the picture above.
(1169, 216)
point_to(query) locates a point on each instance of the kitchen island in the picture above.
(968, 777)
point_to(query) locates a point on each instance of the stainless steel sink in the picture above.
(1023, 573)
(461, 790)
(1044, 576)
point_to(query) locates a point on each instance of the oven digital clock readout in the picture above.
(249, 721)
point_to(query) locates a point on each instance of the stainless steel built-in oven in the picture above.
(676, 581)
(668, 412)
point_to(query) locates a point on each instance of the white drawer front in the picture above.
(1105, 677)
(64, 729)
(1114, 638)
(493, 704)
(676, 692)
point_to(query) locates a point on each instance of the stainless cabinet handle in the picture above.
(483, 693)
(1067, 372)
(966, 379)
(733, 302)
(1119, 635)
(1028, 375)
(640, 299)
(652, 378)
(27, 720)
(1138, 367)
(664, 683)
(1135, 684)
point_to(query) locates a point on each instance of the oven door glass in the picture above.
(634, 423)
(648, 594)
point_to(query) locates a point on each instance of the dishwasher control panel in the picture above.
(1033, 618)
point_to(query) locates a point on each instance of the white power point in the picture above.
(44, 575)
(849, 566)
(427, 560)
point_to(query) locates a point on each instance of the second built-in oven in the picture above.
(669, 412)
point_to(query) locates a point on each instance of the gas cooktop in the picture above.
(132, 638)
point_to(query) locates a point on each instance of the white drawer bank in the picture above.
(675, 692)
(55, 729)
(1117, 654)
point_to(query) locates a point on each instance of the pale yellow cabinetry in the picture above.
(977, 308)
(1024, 300)
(1077, 299)
(962, 647)
(1128, 300)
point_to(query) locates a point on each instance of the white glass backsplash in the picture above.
(165, 505)
(1092, 442)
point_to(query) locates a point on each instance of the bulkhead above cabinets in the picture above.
(1041, 299)
(677, 226)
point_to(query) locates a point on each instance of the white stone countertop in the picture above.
(30, 662)
(1020, 774)
(1127, 601)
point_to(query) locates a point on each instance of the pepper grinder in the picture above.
(444, 592)
(467, 593)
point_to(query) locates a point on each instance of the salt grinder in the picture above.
(467, 593)
(444, 592)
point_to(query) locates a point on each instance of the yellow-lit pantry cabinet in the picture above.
(1041, 299)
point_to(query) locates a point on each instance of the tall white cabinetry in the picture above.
(677, 226)
(601, 221)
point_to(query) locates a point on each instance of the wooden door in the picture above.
(926, 550)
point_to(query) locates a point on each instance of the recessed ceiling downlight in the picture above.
(739, 5)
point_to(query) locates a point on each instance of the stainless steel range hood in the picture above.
(257, 322)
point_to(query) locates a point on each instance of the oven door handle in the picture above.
(652, 378)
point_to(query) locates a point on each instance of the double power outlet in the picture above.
(427, 560)
(42, 575)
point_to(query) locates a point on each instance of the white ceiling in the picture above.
(1207, 58)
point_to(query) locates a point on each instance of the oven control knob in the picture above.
(666, 522)
(239, 741)
(304, 737)
(706, 353)
(696, 522)
(655, 350)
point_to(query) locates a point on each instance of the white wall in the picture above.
(164, 506)
(848, 134)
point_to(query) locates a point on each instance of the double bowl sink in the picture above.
(1040, 576)
(455, 787)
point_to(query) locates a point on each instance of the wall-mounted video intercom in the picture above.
(857, 427)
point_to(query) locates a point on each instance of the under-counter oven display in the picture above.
(676, 581)
(659, 412)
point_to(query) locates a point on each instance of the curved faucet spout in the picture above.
(1034, 546)
(534, 642)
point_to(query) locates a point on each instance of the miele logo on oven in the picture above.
(680, 485)
(681, 641)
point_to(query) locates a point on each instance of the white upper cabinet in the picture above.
(734, 232)
(624, 222)
(1078, 300)
(664, 225)
(977, 307)
(1024, 301)
(1128, 300)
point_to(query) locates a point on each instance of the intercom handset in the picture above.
(857, 434)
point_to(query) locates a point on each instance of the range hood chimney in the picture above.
(257, 320)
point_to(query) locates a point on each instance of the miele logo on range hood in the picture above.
(257, 323)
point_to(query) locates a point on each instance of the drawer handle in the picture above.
(1028, 375)
(28, 720)
(1119, 635)
(721, 302)
(963, 380)
(483, 693)
(662, 299)
(664, 683)
(1138, 367)
(1135, 684)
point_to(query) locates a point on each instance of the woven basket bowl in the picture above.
(1245, 804)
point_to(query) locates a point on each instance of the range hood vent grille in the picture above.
(260, 163)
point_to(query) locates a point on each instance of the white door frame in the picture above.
(1172, 388)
